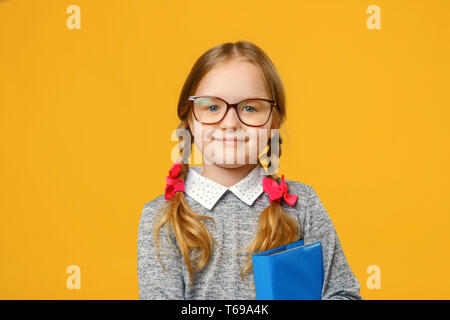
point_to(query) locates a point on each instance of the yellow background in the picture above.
(86, 118)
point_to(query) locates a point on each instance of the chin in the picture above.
(229, 166)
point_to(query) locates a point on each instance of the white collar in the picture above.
(207, 192)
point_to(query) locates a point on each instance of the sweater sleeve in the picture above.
(339, 281)
(153, 281)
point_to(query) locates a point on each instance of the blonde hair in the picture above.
(275, 227)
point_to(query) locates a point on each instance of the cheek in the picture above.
(258, 138)
(202, 134)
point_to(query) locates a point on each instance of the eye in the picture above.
(211, 108)
(248, 109)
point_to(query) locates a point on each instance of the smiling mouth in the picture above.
(229, 140)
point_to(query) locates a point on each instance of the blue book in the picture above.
(289, 272)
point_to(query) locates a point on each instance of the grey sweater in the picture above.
(236, 224)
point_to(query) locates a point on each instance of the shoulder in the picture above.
(315, 217)
(302, 190)
(297, 185)
(315, 213)
(150, 210)
(308, 199)
(155, 204)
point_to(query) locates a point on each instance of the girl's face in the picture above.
(233, 81)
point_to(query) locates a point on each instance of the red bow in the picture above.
(277, 191)
(174, 183)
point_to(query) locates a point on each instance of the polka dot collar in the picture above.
(208, 192)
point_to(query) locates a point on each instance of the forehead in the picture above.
(233, 81)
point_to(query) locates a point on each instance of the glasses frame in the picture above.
(233, 105)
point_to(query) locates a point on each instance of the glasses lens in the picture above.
(254, 112)
(209, 110)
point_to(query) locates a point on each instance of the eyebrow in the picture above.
(248, 97)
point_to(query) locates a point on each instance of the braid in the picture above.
(272, 159)
(275, 226)
(190, 232)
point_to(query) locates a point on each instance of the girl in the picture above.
(195, 241)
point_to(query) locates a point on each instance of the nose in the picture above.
(230, 120)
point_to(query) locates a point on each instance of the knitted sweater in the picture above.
(236, 223)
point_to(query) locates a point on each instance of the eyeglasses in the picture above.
(253, 112)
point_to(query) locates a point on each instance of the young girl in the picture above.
(195, 241)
